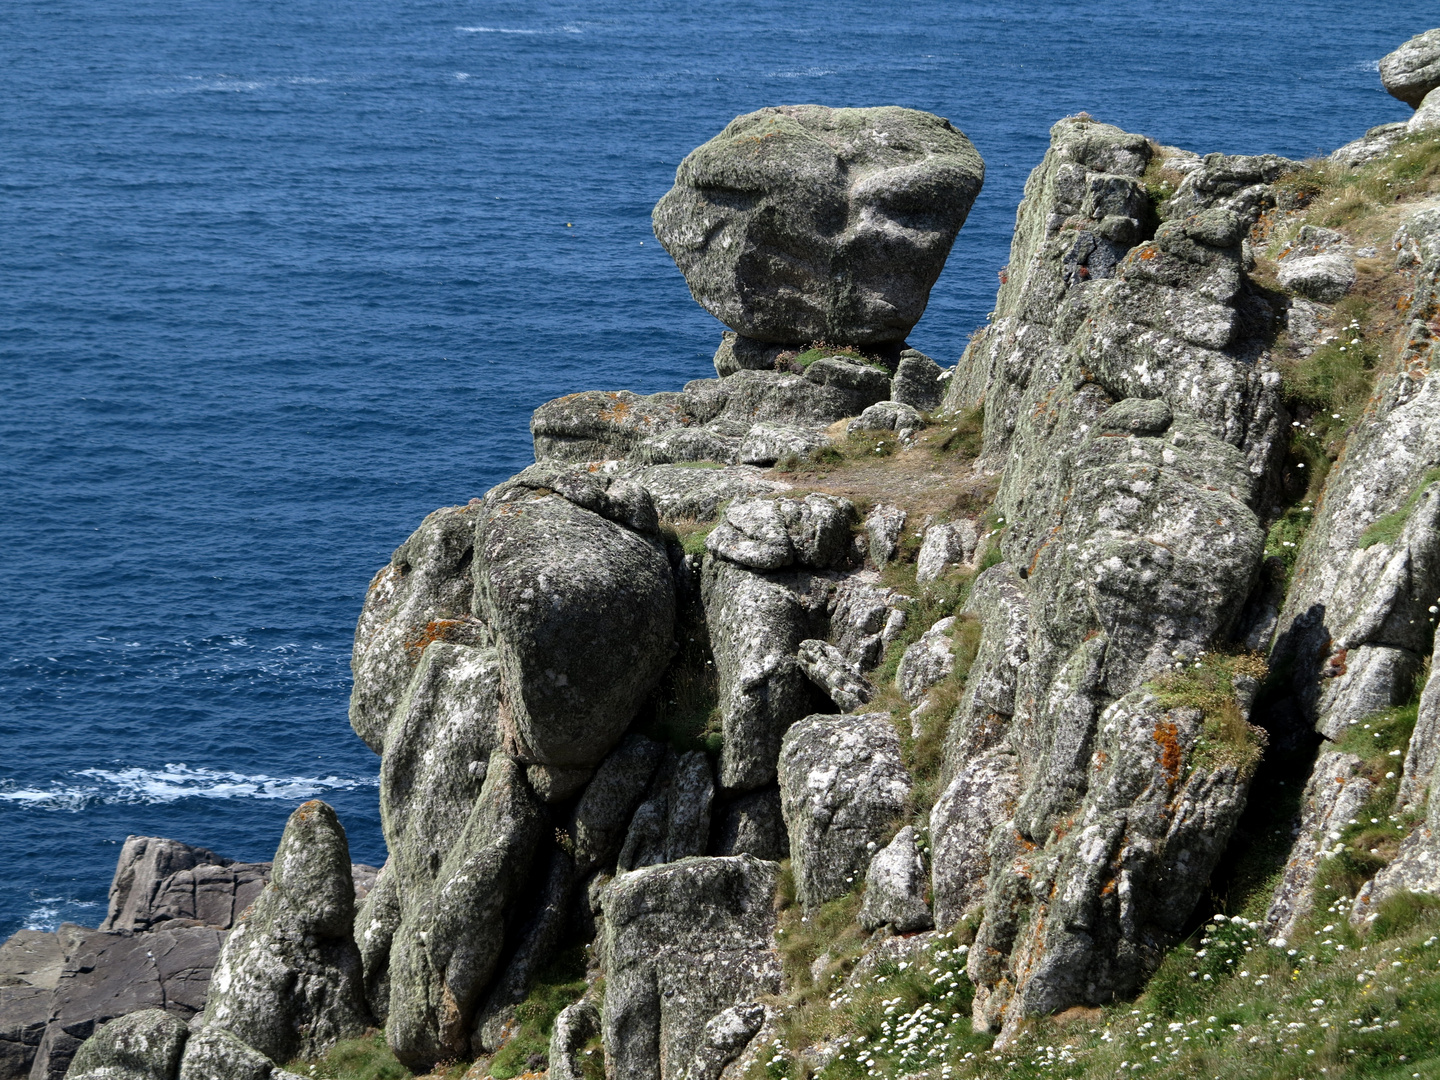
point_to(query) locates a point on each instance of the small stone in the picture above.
(895, 887)
(950, 544)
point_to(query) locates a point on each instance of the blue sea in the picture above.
(278, 278)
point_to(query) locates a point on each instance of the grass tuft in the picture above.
(1209, 684)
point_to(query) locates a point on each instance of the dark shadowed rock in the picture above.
(801, 223)
(216, 1054)
(144, 1045)
(754, 825)
(289, 981)
(376, 920)
(739, 353)
(683, 942)
(583, 613)
(1413, 70)
(603, 814)
(842, 784)
(673, 822)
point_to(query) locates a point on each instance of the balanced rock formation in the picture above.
(801, 223)
(1413, 70)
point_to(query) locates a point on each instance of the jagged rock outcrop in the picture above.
(842, 783)
(801, 223)
(834, 674)
(684, 942)
(159, 881)
(1135, 541)
(1413, 70)
(289, 981)
(673, 822)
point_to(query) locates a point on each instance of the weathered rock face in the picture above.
(895, 887)
(684, 942)
(1413, 70)
(800, 223)
(583, 612)
(1125, 383)
(1355, 626)
(771, 534)
(422, 595)
(709, 420)
(926, 662)
(144, 1045)
(160, 882)
(918, 381)
(111, 974)
(756, 625)
(673, 822)
(448, 944)
(289, 980)
(842, 783)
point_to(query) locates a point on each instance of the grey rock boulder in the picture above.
(289, 981)
(376, 920)
(216, 1054)
(144, 1045)
(895, 887)
(978, 800)
(1413, 70)
(884, 525)
(928, 661)
(1427, 116)
(865, 618)
(918, 382)
(765, 444)
(681, 493)
(1326, 278)
(801, 223)
(576, 1025)
(1375, 143)
(582, 610)
(893, 416)
(770, 534)
(950, 544)
(726, 1036)
(840, 680)
(842, 784)
(683, 943)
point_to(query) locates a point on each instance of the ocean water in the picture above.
(278, 278)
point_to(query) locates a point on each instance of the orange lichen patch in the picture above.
(1335, 666)
(617, 411)
(308, 810)
(1101, 760)
(435, 630)
(1147, 253)
(1109, 887)
(1166, 736)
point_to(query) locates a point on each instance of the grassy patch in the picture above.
(1208, 684)
(797, 362)
(686, 710)
(365, 1058)
(689, 533)
(963, 436)
(1387, 530)
(561, 984)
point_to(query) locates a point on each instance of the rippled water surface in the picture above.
(278, 278)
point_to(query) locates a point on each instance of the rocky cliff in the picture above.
(849, 715)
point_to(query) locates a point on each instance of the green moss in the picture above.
(561, 984)
(820, 351)
(1208, 685)
(1387, 529)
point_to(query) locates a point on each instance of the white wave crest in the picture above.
(173, 783)
(513, 30)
